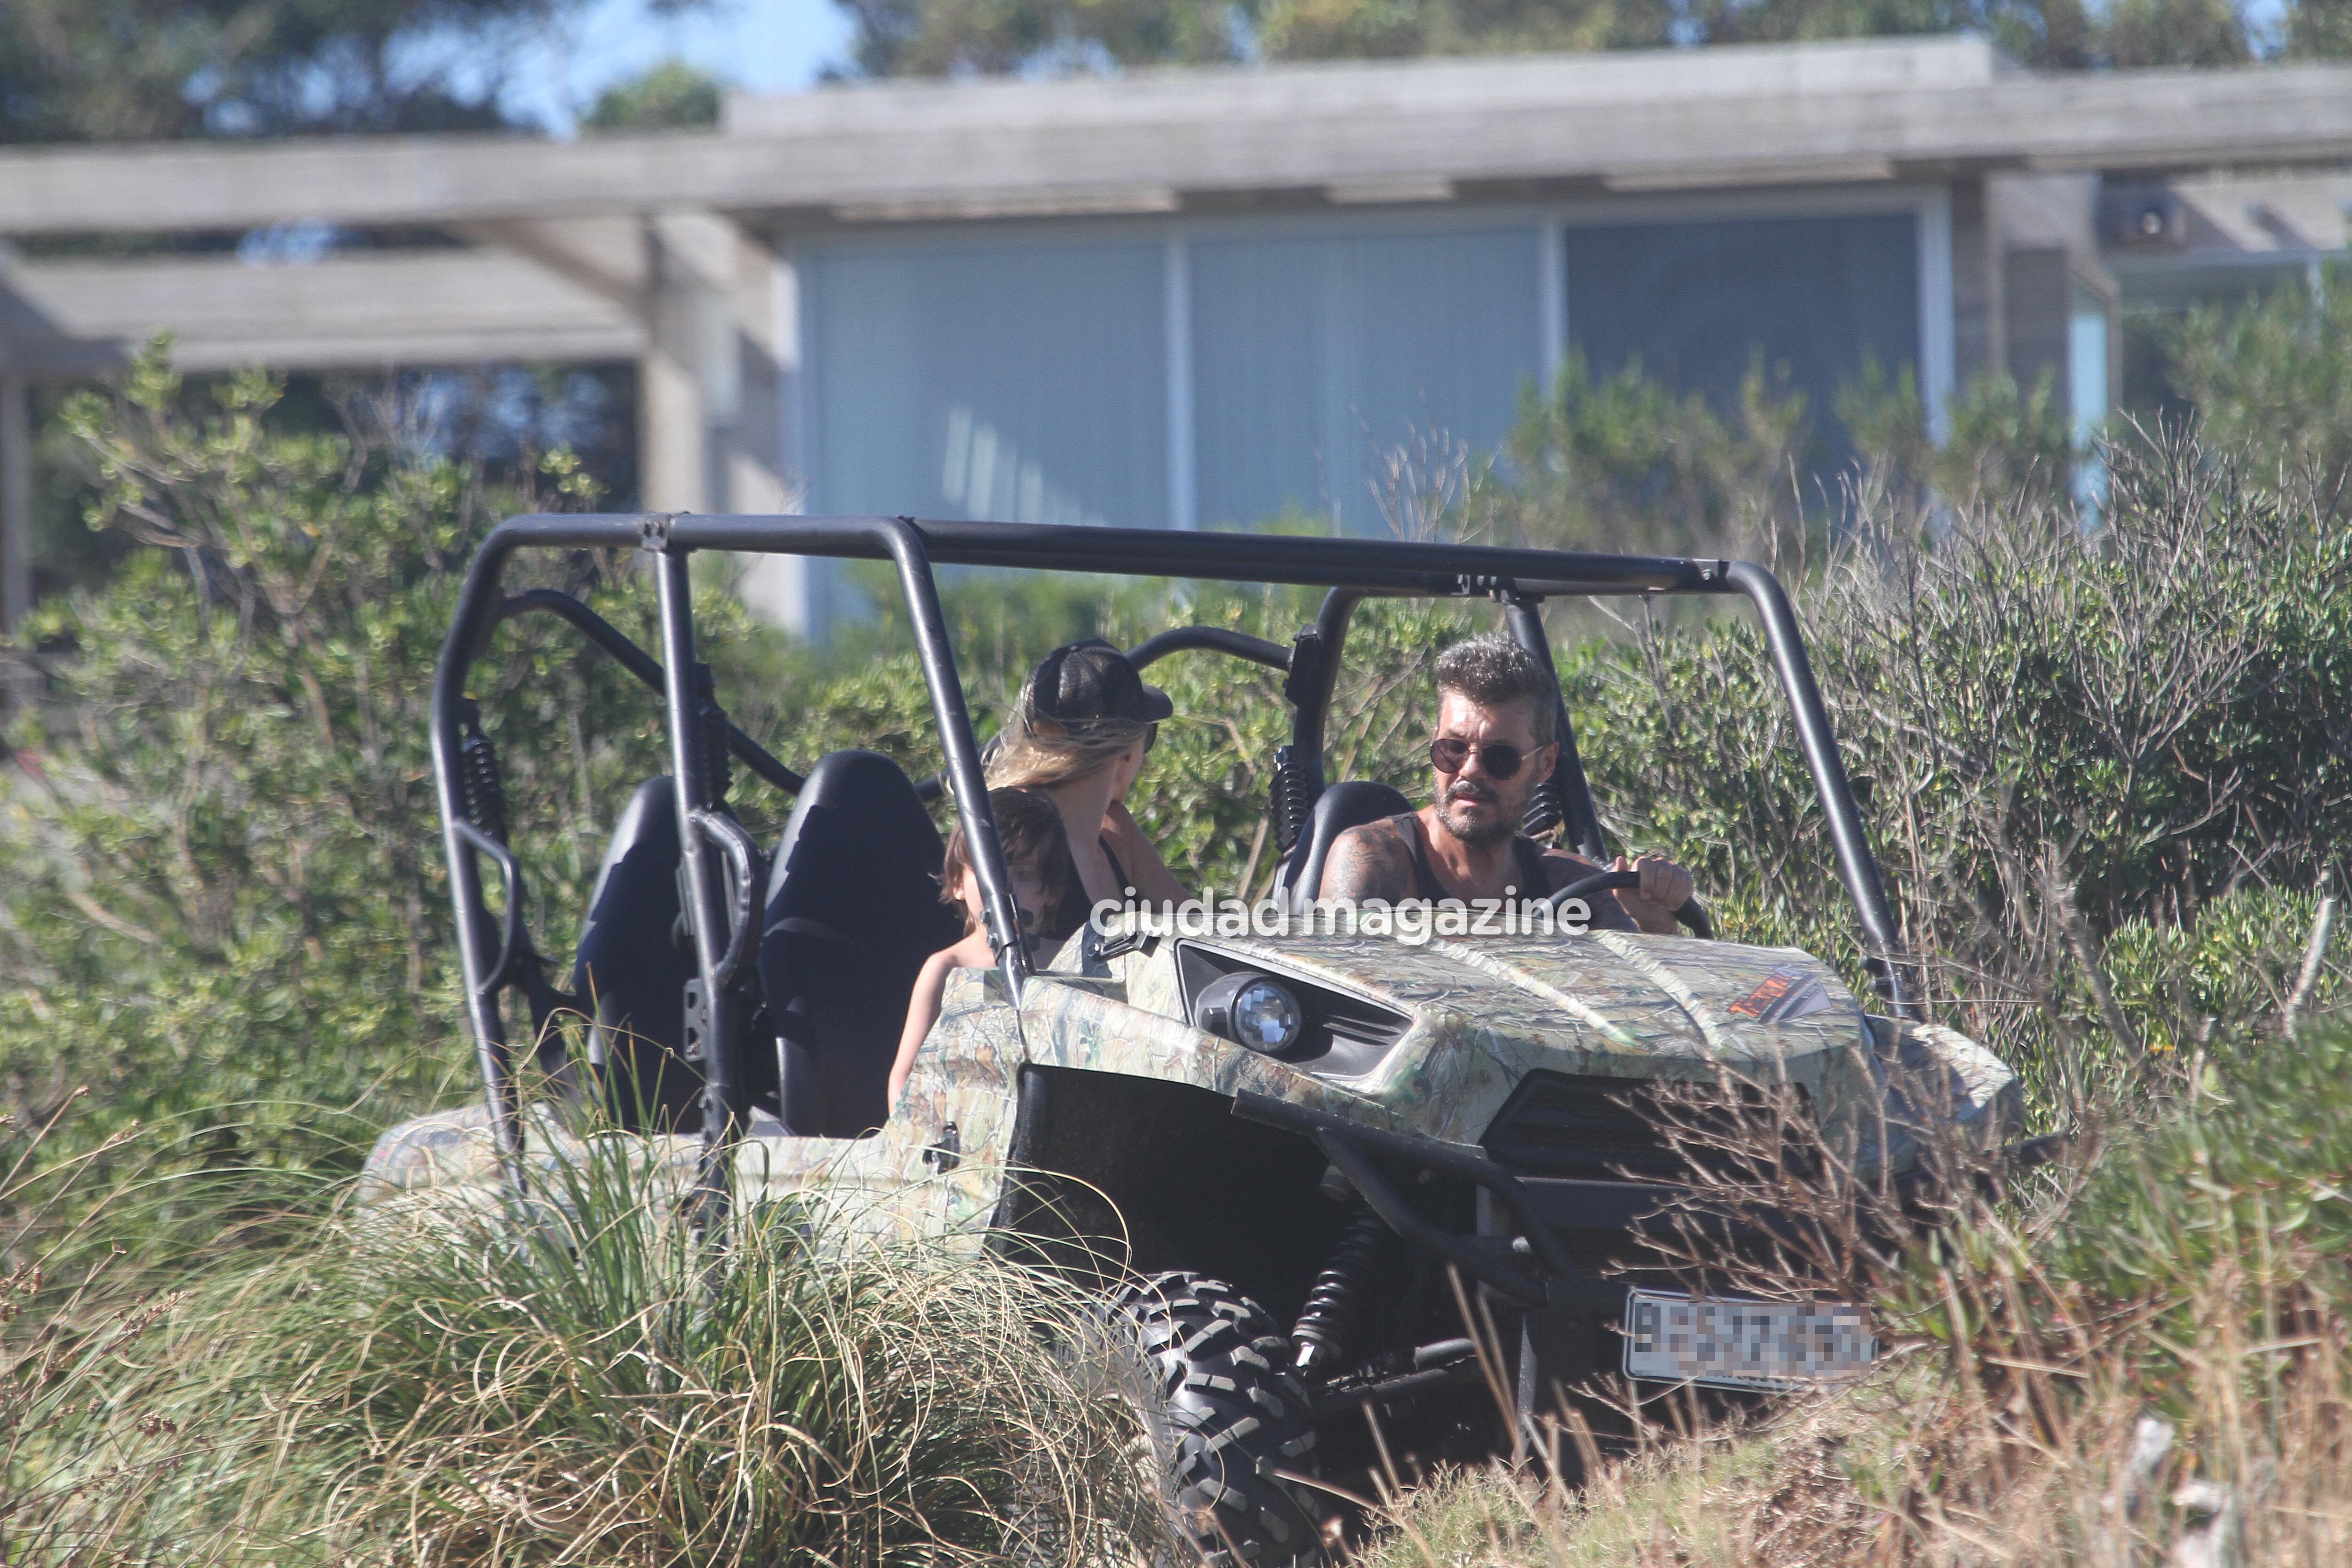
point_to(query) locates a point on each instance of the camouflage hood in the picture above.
(1473, 1017)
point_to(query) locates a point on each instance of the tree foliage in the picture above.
(673, 96)
(83, 70)
(942, 36)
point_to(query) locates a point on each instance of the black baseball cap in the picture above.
(1080, 682)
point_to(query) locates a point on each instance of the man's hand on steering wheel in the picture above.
(1644, 880)
(1666, 888)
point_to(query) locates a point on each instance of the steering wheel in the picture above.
(1691, 915)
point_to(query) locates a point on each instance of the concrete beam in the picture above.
(354, 311)
(766, 472)
(610, 256)
(938, 149)
(2233, 234)
(2225, 217)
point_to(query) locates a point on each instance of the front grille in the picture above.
(1613, 1129)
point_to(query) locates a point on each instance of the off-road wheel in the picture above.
(1225, 1414)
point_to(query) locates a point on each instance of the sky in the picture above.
(766, 45)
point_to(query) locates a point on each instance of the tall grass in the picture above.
(576, 1384)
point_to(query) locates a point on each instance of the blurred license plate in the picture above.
(1675, 1338)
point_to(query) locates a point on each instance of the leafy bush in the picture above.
(1623, 462)
(2271, 381)
(2006, 445)
(224, 886)
(2125, 723)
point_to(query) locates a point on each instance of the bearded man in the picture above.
(1493, 745)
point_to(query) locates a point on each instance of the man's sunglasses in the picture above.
(1500, 758)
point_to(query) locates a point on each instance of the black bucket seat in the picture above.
(853, 910)
(1339, 807)
(631, 972)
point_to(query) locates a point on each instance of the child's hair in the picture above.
(1029, 825)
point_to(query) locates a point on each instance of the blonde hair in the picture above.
(1038, 752)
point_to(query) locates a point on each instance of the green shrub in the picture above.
(2005, 444)
(1625, 462)
(225, 889)
(2136, 720)
(2271, 383)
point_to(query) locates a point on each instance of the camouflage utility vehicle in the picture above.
(1296, 1160)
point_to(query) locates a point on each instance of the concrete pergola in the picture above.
(674, 251)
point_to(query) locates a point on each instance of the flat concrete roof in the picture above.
(1416, 130)
(1264, 95)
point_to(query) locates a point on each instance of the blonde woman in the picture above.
(1079, 731)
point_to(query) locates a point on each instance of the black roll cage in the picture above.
(497, 954)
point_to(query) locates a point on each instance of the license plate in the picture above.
(1675, 1338)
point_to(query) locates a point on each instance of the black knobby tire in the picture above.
(1227, 1415)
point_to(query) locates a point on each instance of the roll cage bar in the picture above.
(719, 901)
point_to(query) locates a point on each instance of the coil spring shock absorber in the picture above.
(481, 793)
(1543, 812)
(1336, 1305)
(711, 721)
(1291, 807)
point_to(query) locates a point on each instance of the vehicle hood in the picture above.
(1485, 1012)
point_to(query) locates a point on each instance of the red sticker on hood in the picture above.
(1782, 996)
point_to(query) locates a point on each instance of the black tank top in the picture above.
(1607, 913)
(1070, 912)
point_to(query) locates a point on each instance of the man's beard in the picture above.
(1471, 831)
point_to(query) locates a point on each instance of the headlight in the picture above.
(1250, 1009)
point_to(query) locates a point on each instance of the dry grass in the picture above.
(575, 1390)
(2146, 1360)
(1916, 1468)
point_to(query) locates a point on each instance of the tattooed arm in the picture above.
(1368, 862)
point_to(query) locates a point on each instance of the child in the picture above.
(1036, 851)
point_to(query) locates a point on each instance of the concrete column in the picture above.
(16, 502)
(769, 472)
(757, 479)
(2038, 288)
(2046, 226)
(1979, 335)
(715, 396)
(689, 379)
